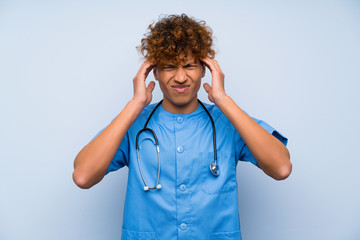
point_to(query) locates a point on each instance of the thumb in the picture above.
(150, 87)
(207, 87)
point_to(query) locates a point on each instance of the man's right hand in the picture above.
(143, 94)
(92, 162)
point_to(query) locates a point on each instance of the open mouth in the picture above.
(180, 88)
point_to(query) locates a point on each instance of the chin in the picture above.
(181, 101)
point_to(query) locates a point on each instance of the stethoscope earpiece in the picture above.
(146, 188)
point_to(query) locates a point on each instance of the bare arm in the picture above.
(272, 156)
(92, 162)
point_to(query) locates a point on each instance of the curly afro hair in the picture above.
(173, 37)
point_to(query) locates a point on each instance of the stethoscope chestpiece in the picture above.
(214, 168)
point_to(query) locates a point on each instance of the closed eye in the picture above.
(191, 66)
(168, 67)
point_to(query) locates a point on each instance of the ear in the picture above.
(155, 71)
(203, 68)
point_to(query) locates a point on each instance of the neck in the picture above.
(180, 109)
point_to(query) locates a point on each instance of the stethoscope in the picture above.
(214, 168)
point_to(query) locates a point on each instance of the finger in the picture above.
(209, 63)
(206, 62)
(148, 68)
(207, 87)
(150, 87)
(212, 64)
(145, 69)
(216, 64)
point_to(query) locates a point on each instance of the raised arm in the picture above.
(271, 155)
(92, 162)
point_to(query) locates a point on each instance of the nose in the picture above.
(180, 75)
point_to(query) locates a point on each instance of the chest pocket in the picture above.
(226, 181)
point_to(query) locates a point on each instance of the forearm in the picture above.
(272, 156)
(92, 162)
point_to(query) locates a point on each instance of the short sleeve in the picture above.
(121, 156)
(242, 151)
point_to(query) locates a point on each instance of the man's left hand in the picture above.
(216, 91)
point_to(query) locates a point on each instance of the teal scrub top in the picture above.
(192, 203)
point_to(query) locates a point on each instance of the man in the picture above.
(187, 189)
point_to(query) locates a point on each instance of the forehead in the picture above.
(181, 60)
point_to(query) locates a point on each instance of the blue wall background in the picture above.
(66, 70)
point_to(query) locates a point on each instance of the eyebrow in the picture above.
(191, 63)
(186, 65)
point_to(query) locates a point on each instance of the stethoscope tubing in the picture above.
(213, 165)
(158, 155)
(214, 132)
